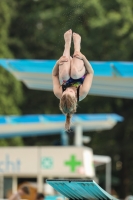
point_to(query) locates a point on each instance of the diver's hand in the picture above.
(62, 60)
(79, 55)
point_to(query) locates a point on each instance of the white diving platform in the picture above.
(80, 189)
(111, 79)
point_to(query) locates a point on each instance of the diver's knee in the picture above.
(64, 75)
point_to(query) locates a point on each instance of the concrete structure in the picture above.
(114, 79)
(49, 162)
(30, 125)
(45, 162)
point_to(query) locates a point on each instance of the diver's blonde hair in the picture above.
(68, 106)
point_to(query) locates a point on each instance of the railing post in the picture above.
(1, 187)
(64, 138)
(108, 177)
(14, 184)
(78, 138)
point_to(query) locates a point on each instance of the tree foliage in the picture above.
(5, 19)
(106, 28)
(11, 99)
(10, 94)
(10, 89)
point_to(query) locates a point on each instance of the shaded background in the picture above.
(33, 29)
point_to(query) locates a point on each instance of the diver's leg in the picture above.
(77, 65)
(64, 68)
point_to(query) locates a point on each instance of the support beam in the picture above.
(108, 177)
(40, 183)
(115, 71)
(78, 140)
(14, 184)
(104, 160)
(64, 138)
(1, 187)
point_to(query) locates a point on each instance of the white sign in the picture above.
(48, 161)
(19, 160)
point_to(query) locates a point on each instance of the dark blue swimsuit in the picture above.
(73, 83)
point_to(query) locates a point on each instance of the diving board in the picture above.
(30, 125)
(80, 189)
(112, 79)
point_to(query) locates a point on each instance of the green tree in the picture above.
(10, 89)
(10, 94)
(5, 19)
(106, 28)
(11, 97)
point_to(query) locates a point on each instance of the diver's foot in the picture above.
(76, 41)
(68, 37)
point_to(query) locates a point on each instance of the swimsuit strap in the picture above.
(63, 88)
(78, 93)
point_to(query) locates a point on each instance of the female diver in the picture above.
(72, 77)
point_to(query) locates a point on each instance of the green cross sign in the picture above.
(73, 163)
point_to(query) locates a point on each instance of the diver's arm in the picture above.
(56, 83)
(57, 88)
(55, 71)
(88, 66)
